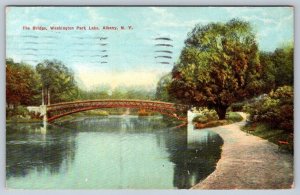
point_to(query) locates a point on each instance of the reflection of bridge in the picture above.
(55, 111)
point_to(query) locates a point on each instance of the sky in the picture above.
(128, 57)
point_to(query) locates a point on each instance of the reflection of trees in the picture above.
(28, 149)
(192, 165)
(128, 124)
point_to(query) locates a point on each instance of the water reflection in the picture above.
(33, 147)
(110, 152)
(194, 160)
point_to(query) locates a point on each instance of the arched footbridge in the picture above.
(55, 111)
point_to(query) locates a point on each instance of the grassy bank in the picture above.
(204, 122)
(93, 113)
(23, 120)
(273, 135)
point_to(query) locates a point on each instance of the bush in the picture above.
(216, 123)
(34, 115)
(19, 112)
(276, 109)
(144, 113)
(205, 115)
(96, 113)
(236, 107)
(200, 119)
(234, 117)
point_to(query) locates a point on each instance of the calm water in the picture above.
(113, 152)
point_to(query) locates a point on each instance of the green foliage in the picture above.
(92, 94)
(34, 115)
(162, 88)
(234, 117)
(117, 93)
(205, 115)
(22, 84)
(276, 109)
(210, 119)
(235, 107)
(283, 61)
(277, 67)
(57, 80)
(215, 123)
(268, 71)
(20, 111)
(131, 93)
(96, 113)
(218, 66)
(271, 133)
(144, 113)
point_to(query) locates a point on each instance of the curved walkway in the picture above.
(248, 162)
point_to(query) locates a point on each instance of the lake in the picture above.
(115, 152)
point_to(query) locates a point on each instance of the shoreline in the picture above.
(245, 162)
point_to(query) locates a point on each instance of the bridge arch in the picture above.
(59, 110)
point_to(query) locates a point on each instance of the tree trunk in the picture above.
(221, 111)
(43, 97)
(48, 91)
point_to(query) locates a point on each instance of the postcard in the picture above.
(141, 97)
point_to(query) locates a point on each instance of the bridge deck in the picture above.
(58, 110)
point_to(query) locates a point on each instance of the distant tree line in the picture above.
(53, 82)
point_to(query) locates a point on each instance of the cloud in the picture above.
(39, 21)
(94, 16)
(168, 19)
(255, 18)
(162, 12)
(284, 20)
(178, 23)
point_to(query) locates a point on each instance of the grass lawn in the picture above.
(23, 120)
(264, 131)
(203, 122)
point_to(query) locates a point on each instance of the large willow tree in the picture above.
(218, 66)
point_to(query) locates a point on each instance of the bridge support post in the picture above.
(43, 111)
(45, 119)
(43, 98)
(194, 138)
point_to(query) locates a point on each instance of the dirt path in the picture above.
(248, 162)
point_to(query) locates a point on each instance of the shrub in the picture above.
(19, 111)
(216, 123)
(34, 115)
(96, 113)
(276, 109)
(200, 119)
(205, 115)
(144, 113)
(235, 107)
(234, 117)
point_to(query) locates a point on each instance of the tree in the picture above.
(268, 74)
(58, 81)
(218, 66)
(22, 84)
(163, 87)
(283, 59)
(277, 67)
